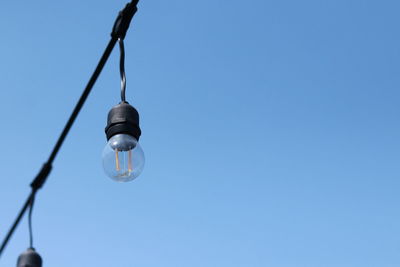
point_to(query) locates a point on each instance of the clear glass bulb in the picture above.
(123, 158)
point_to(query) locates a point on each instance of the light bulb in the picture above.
(123, 158)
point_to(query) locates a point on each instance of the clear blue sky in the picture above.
(270, 128)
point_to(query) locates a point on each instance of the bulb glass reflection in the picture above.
(123, 158)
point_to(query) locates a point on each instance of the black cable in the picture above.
(82, 99)
(15, 224)
(32, 202)
(122, 68)
(43, 174)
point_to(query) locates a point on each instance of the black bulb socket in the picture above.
(29, 258)
(123, 119)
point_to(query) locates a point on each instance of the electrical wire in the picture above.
(123, 88)
(122, 68)
(32, 201)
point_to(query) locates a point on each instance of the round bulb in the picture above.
(123, 158)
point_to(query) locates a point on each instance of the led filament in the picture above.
(129, 160)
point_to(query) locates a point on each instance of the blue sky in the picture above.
(270, 130)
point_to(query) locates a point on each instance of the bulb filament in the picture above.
(116, 160)
(117, 165)
(130, 160)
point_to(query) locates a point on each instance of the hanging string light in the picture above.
(123, 157)
(122, 133)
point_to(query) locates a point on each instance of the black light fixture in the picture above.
(123, 158)
(30, 258)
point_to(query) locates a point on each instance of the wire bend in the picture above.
(122, 68)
